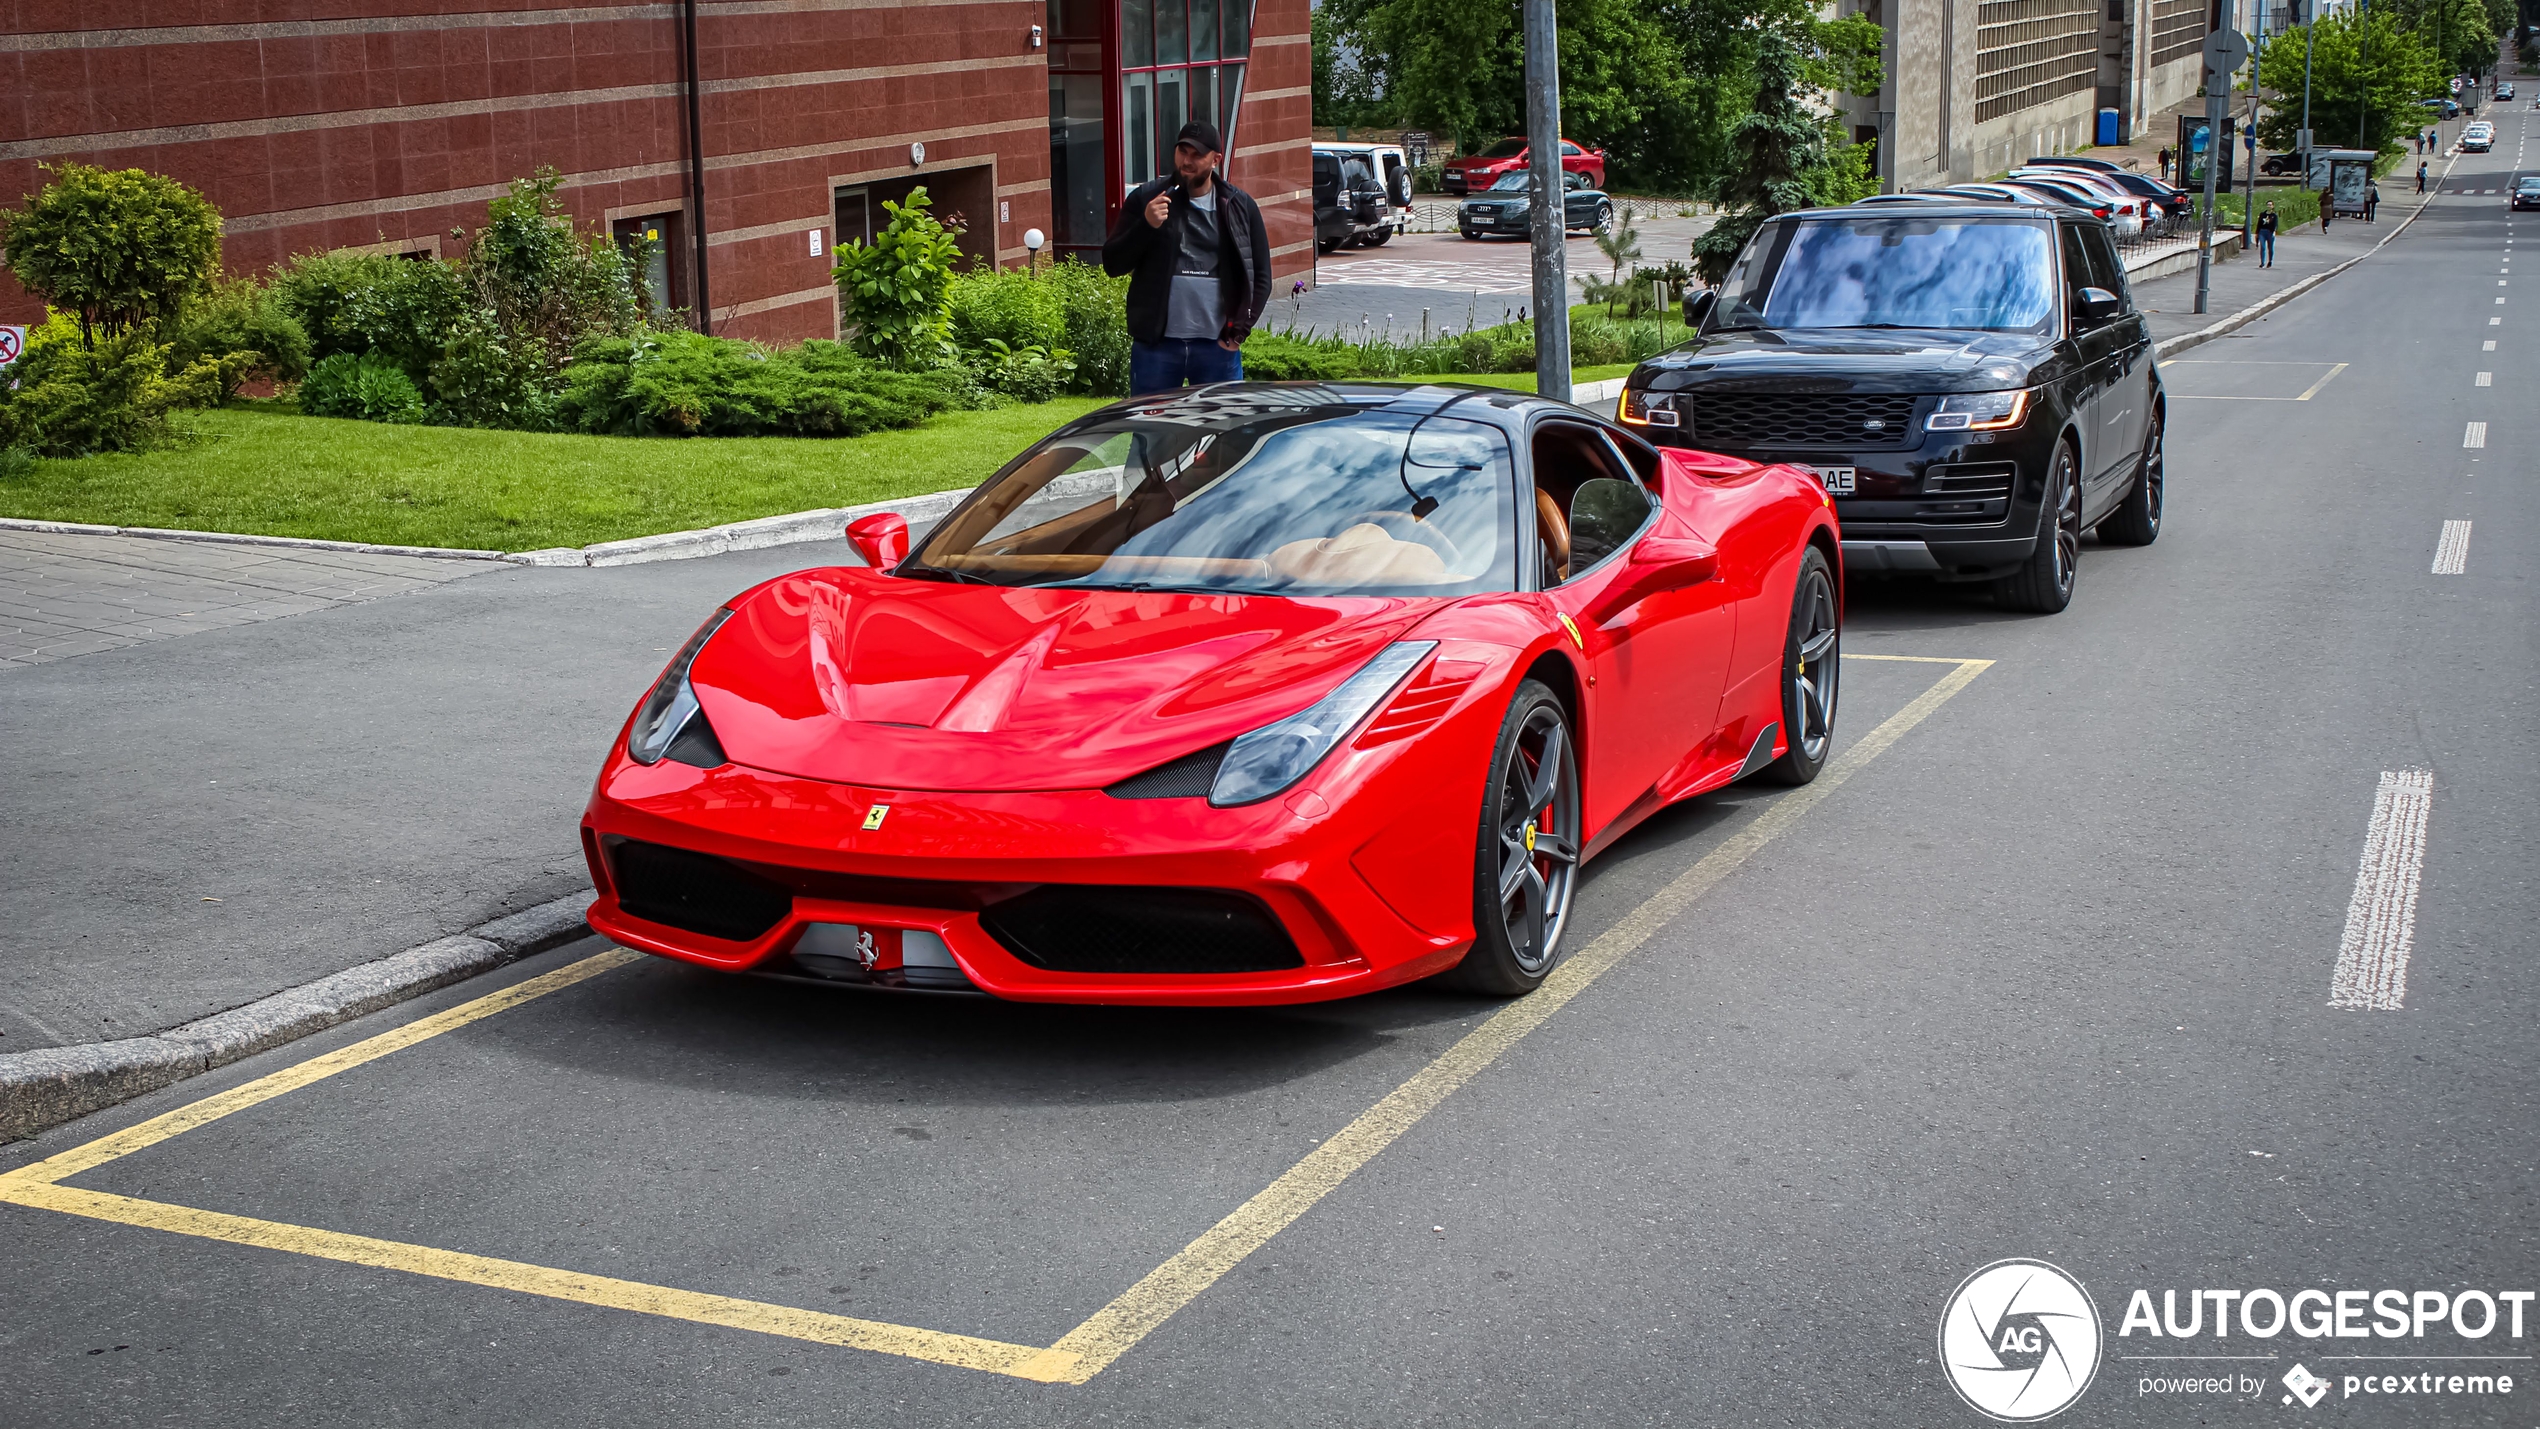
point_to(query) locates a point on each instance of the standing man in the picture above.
(2165, 164)
(2266, 236)
(2420, 178)
(1197, 257)
(2372, 200)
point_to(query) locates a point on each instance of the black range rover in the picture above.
(1972, 380)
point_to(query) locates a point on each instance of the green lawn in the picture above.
(263, 469)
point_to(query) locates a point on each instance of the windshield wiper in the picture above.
(1144, 587)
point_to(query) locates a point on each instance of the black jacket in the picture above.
(1148, 257)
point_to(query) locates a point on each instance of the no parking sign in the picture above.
(12, 342)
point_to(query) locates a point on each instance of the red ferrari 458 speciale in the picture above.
(1244, 694)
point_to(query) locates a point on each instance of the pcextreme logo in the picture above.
(2019, 1341)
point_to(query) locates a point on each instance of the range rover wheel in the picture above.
(2045, 584)
(1812, 672)
(1527, 857)
(2137, 520)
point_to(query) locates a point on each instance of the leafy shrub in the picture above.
(547, 287)
(1013, 306)
(682, 384)
(16, 463)
(73, 397)
(487, 377)
(121, 249)
(1026, 374)
(894, 290)
(239, 318)
(1094, 319)
(1279, 357)
(316, 291)
(361, 386)
(402, 310)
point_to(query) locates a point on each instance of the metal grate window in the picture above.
(2178, 29)
(2029, 52)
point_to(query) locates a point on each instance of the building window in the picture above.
(2029, 52)
(2178, 30)
(1180, 60)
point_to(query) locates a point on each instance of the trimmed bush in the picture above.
(1008, 305)
(122, 250)
(364, 387)
(239, 318)
(70, 397)
(681, 384)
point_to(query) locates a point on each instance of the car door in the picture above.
(2127, 401)
(1655, 667)
(2093, 346)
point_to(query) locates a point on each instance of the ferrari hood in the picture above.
(853, 677)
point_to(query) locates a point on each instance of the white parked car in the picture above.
(2125, 209)
(1392, 170)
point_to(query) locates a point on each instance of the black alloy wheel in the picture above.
(1812, 665)
(2044, 585)
(1604, 217)
(2137, 520)
(1526, 863)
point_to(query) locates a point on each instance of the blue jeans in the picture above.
(1180, 362)
(2266, 247)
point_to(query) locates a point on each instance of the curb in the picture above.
(2171, 347)
(52, 1085)
(231, 538)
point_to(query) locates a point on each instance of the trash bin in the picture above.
(2110, 131)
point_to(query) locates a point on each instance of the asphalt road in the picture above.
(2049, 976)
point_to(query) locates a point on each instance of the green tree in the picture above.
(1782, 160)
(547, 286)
(897, 289)
(122, 249)
(2368, 68)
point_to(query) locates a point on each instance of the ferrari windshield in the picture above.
(1907, 272)
(1275, 491)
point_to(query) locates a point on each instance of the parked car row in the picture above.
(2132, 204)
(1362, 195)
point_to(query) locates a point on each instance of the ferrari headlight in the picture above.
(672, 705)
(1978, 412)
(1275, 756)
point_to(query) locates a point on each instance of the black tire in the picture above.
(1468, 233)
(1604, 217)
(2137, 520)
(1812, 674)
(2044, 585)
(1326, 245)
(1378, 239)
(1526, 852)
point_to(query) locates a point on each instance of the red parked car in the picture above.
(1253, 693)
(1475, 172)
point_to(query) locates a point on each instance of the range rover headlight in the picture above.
(1644, 408)
(1978, 412)
(672, 706)
(1275, 756)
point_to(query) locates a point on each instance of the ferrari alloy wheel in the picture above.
(2137, 520)
(2044, 585)
(1812, 666)
(1527, 861)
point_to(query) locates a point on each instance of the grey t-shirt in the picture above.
(1197, 308)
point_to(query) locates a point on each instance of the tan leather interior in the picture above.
(1362, 555)
(1556, 530)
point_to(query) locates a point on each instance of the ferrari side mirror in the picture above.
(881, 538)
(1658, 563)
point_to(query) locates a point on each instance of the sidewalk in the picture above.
(2238, 282)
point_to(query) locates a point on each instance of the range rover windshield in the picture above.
(1279, 491)
(1917, 271)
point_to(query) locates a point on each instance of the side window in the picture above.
(1327, 174)
(1588, 499)
(1570, 150)
(2077, 274)
(2105, 262)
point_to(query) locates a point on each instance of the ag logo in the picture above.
(2019, 1341)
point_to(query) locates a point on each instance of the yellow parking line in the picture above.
(967, 1351)
(1084, 1351)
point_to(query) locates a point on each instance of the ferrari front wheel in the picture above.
(1527, 859)
(1812, 673)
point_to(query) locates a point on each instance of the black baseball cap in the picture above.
(1200, 135)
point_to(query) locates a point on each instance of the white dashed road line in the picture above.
(2487, 379)
(2451, 553)
(2475, 437)
(2372, 959)
(2490, 345)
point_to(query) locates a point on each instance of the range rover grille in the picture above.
(1843, 421)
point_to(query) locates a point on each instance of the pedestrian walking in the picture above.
(1197, 258)
(2372, 200)
(2165, 165)
(2420, 178)
(2266, 236)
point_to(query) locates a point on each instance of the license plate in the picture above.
(1838, 479)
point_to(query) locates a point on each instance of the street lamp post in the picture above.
(2310, 26)
(1551, 203)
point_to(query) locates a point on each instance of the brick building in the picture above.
(318, 124)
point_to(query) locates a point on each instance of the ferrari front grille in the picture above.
(1081, 928)
(695, 892)
(1841, 421)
